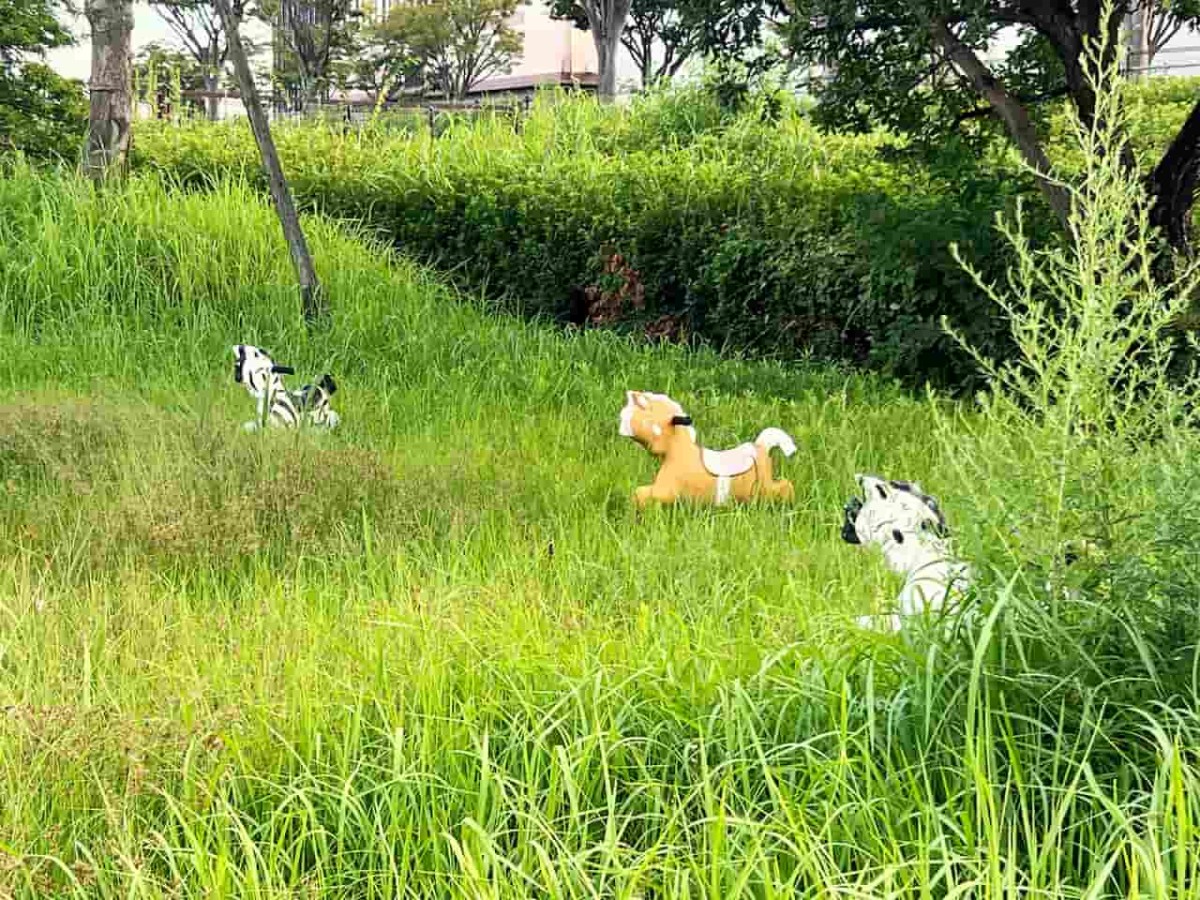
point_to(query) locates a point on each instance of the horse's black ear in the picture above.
(681, 420)
(328, 384)
(283, 370)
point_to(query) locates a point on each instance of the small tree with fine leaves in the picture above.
(455, 43)
(40, 112)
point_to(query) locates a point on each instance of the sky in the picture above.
(76, 61)
(1181, 58)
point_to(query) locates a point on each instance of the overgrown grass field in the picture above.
(436, 654)
(441, 627)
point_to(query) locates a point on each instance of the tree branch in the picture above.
(1011, 113)
(1025, 100)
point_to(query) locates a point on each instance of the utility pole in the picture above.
(312, 302)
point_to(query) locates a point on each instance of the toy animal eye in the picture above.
(897, 536)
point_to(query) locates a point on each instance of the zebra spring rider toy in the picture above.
(276, 406)
(908, 526)
(693, 472)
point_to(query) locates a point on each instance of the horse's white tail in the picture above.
(776, 437)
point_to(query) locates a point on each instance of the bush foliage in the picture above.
(746, 228)
(761, 236)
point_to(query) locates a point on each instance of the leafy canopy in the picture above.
(40, 111)
(883, 66)
(454, 43)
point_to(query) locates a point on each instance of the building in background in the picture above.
(554, 52)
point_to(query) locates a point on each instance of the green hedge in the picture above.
(769, 238)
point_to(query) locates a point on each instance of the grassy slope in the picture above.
(166, 576)
(286, 664)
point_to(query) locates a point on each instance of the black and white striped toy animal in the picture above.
(908, 526)
(275, 404)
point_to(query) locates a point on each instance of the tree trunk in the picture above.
(607, 49)
(111, 111)
(311, 301)
(1172, 185)
(1139, 44)
(212, 84)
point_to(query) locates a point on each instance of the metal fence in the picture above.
(436, 116)
(354, 113)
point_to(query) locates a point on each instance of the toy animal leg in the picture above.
(652, 493)
(779, 490)
(767, 485)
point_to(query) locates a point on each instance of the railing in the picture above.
(435, 115)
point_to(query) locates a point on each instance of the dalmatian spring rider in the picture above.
(276, 406)
(693, 472)
(908, 526)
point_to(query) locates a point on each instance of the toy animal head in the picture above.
(654, 420)
(254, 368)
(898, 517)
(312, 401)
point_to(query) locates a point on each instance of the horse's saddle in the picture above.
(729, 463)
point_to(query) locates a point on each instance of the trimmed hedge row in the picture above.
(768, 238)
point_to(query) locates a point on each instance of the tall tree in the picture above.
(928, 67)
(661, 35)
(199, 29)
(314, 36)
(111, 86)
(40, 112)
(382, 63)
(606, 20)
(456, 43)
(1153, 24)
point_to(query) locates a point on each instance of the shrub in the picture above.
(765, 237)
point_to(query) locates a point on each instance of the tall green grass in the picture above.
(436, 654)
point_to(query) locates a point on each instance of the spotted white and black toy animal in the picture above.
(908, 526)
(275, 404)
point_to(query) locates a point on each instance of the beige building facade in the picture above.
(555, 52)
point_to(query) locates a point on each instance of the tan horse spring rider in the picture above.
(690, 471)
